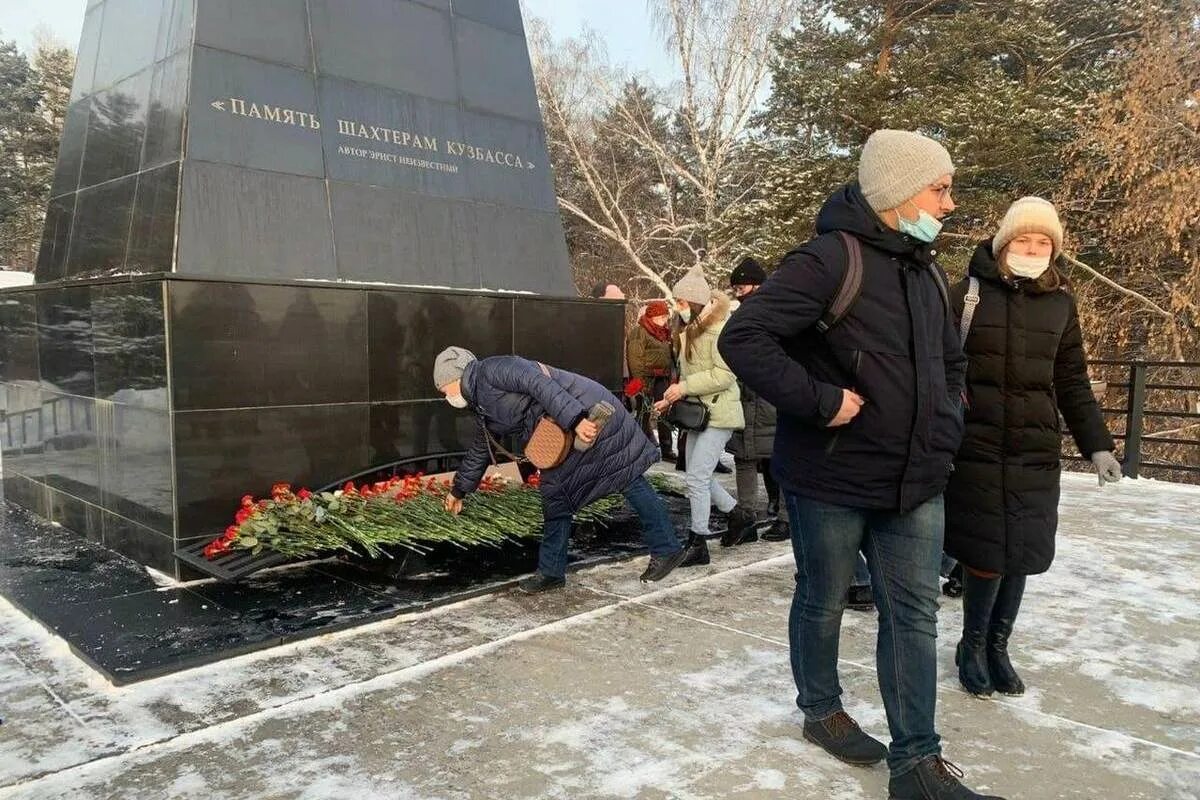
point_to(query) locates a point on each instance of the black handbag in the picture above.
(688, 414)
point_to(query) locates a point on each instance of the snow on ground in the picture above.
(612, 689)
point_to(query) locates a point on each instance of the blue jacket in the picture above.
(898, 348)
(509, 395)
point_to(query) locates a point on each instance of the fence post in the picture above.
(1134, 418)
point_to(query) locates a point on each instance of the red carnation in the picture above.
(247, 501)
(634, 387)
(304, 494)
(243, 515)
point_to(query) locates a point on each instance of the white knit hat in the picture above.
(1029, 215)
(896, 165)
(693, 287)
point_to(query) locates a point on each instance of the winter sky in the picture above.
(623, 24)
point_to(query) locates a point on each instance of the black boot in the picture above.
(695, 552)
(779, 531)
(841, 737)
(934, 778)
(979, 596)
(1004, 614)
(953, 587)
(740, 527)
(538, 583)
(662, 566)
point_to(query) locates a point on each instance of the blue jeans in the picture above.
(704, 491)
(862, 573)
(657, 531)
(903, 554)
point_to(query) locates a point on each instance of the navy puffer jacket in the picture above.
(509, 395)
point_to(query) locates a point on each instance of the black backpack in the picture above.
(851, 285)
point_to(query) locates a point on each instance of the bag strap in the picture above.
(850, 287)
(969, 305)
(494, 445)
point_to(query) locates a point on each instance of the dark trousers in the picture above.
(657, 531)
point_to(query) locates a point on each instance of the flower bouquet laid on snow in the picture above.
(402, 512)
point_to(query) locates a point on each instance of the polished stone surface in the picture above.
(128, 40)
(377, 140)
(116, 130)
(243, 345)
(278, 228)
(396, 45)
(56, 238)
(108, 610)
(100, 233)
(270, 30)
(164, 118)
(408, 329)
(66, 358)
(152, 230)
(540, 328)
(243, 129)
(221, 455)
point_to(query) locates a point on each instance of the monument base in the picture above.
(137, 411)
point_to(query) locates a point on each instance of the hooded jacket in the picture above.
(897, 347)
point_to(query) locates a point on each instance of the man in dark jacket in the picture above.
(509, 396)
(868, 426)
(751, 446)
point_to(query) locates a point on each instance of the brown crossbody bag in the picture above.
(547, 448)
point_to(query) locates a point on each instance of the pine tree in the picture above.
(33, 102)
(1000, 83)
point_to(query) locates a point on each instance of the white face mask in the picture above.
(456, 400)
(1031, 267)
(685, 315)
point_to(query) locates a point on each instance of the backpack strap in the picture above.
(968, 315)
(943, 287)
(850, 287)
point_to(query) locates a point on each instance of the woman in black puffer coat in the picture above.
(1027, 365)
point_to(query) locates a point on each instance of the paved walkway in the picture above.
(612, 689)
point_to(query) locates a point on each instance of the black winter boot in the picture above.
(538, 583)
(740, 527)
(695, 551)
(933, 779)
(841, 737)
(953, 587)
(1004, 614)
(979, 596)
(779, 531)
(662, 566)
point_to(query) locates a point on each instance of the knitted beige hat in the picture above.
(1029, 215)
(896, 165)
(693, 287)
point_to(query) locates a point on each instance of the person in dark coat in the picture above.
(869, 423)
(1027, 365)
(648, 352)
(752, 446)
(508, 396)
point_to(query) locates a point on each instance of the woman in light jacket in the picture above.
(700, 315)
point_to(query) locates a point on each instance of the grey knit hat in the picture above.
(896, 165)
(450, 364)
(693, 287)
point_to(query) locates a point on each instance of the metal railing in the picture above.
(1151, 404)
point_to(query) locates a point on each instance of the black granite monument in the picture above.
(219, 156)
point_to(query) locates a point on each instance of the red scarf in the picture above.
(659, 332)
